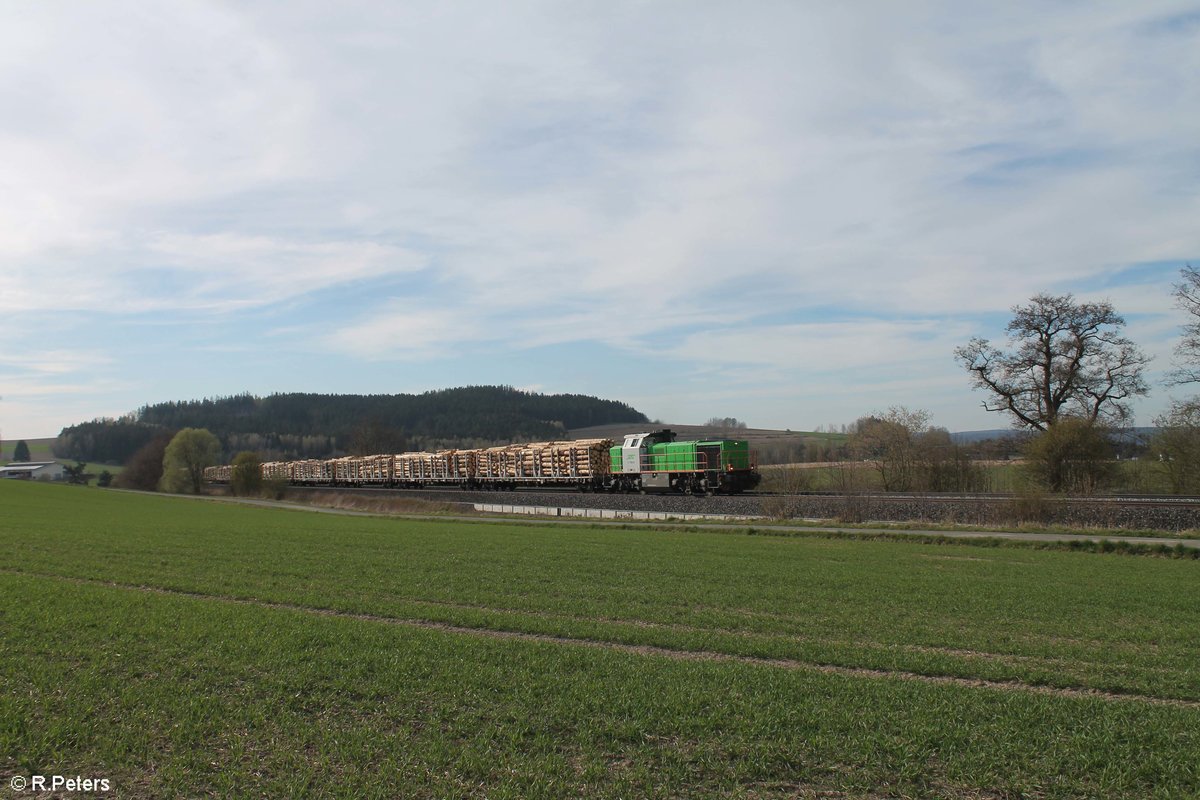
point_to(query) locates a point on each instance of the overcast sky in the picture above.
(790, 212)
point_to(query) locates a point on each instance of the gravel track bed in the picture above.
(856, 508)
(676, 504)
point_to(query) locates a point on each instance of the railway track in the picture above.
(451, 492)
(1116, 511)
(1168, 500)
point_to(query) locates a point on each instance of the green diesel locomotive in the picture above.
(656, 462)
(643, 462)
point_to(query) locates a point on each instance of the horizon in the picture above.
(787, 214)
(653, 422)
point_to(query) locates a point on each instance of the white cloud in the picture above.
(42, 389)
(821, 152)
(52, 362)
(825, 347)
(617, 173)
(208, 272)
(114, 110)
(258, 270)
(404, 331)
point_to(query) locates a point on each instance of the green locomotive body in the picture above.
(656, 462)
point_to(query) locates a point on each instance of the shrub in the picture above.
(1072, 456)
(144, 469)
(186, 457)
(247, 478)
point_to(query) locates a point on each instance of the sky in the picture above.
(786, 212)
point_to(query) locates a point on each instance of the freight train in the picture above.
(643, 462)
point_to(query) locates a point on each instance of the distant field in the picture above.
(1131, 476)
(616, 431)
(40, 450)
(180, 647)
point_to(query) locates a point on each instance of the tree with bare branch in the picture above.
(1067, 359)
(889, 441)
(1177, 442)
(1187, 352)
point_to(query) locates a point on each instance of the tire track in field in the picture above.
(636, 649)
(1012, 660)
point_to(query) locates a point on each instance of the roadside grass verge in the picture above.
(375, 505)
(244, 687)
(883, 526)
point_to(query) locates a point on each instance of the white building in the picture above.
(33, 470)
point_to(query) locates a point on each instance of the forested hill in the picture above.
(319, 425)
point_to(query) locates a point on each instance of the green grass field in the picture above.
(190, 648)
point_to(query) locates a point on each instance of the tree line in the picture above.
(323, 425)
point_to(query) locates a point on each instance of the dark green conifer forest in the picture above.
(320, 425)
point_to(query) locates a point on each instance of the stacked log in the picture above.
(222, 473)
(435, 467)
(407, 466)
(545, 461)
(588, 457)
(312, 470)
(459, 464)
(536, 460)
(340, 469)
(424, 467)
(366, 469)
(277, 470)
(379, 468)
(497, 463)
(578, 462)
(585, 458)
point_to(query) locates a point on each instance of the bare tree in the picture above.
(1177, 443)
(1068, 359)
(1176, 446)
(1187, 352)
(947, 466)
(726, 423)
(890, 441)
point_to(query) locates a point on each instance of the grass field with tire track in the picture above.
(185, 648)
